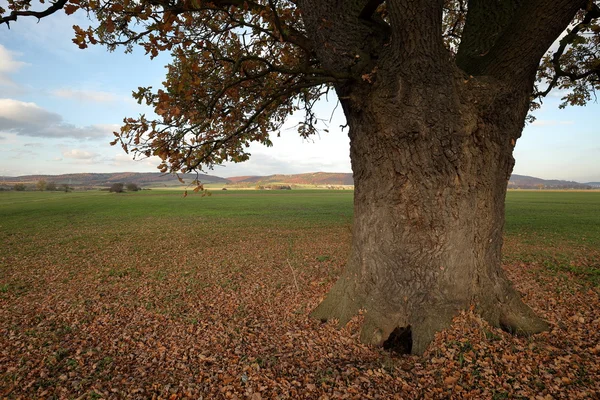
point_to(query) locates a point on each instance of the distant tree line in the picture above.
(550, 186)
(274, 187)
(42, 185)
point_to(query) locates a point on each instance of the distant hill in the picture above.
(312, 179)
(106, 179)
(530, 182)
(325, 178)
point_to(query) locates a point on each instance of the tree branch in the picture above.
(485, 22)
(521, 43)
(289, 33)
(591, 14)
(38, 14)
(417, 38)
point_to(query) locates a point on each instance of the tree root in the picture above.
(517, 318)
(339, 304)
(412, 330)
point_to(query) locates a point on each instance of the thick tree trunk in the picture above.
(431, 164)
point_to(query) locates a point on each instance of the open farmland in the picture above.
(150, 294)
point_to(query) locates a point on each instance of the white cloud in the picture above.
(121, 159)
(126, 161)
(291, 154)
(79, 154)
(551, 122)
(8, 65)
(110, 128)
(86, 95)
(559, 93)
(29, 119)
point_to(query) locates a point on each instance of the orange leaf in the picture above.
(450, 381)
(70, 9)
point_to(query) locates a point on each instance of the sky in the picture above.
(59, 106)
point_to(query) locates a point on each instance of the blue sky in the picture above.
(59, 105)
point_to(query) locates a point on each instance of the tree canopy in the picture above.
(239, 67)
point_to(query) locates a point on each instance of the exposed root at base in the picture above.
(518, 319)
(411, 331)
(337, 305)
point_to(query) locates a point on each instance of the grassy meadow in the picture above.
(152, 295)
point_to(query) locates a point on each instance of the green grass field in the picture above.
(559, 230)
(102, 295)
(558, 221)
(534, 215)
(545, 227)
(554, 217)
(305, 207)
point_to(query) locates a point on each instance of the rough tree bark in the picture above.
(431, 168)
(431, 151)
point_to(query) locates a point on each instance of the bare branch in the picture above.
(38, 14)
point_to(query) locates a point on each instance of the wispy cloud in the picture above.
(79, 154)
(87, 95)
(29, 119)
(8, 65)
(8, 138)
(551, 122)
(122, 160)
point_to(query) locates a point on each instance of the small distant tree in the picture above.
(66, 188)
(116, 188)
(51, 186)
(41, 185)
(19, 187)
(132, 187)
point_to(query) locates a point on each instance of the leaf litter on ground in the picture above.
(181, 310)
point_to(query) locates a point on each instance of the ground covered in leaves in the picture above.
(195, 304)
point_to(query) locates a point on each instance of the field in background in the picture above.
(559, 230)
(556, 221)
(139, 294)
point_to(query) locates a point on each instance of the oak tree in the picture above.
(435, 94)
